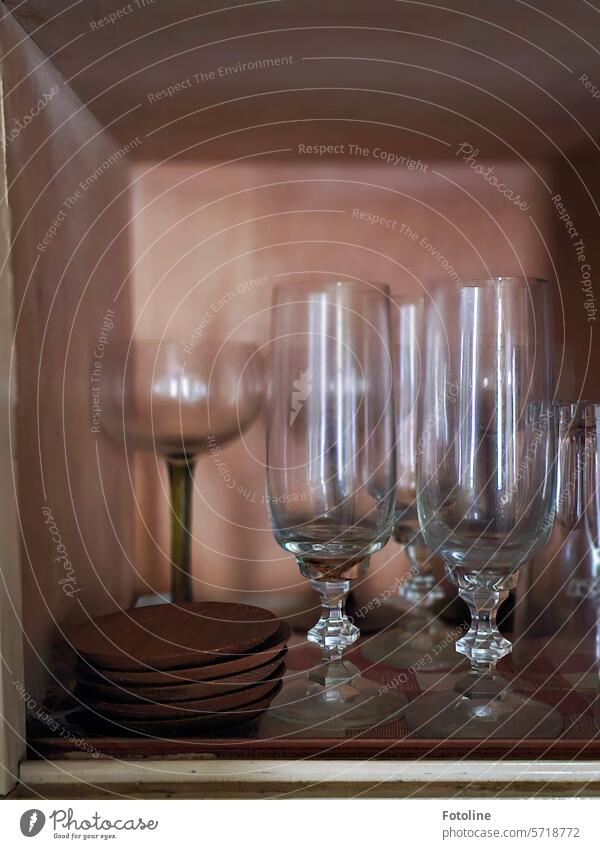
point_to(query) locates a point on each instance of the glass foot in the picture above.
(482, 707)
(335, 697)
(430, 649)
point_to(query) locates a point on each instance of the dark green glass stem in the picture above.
(181, 479)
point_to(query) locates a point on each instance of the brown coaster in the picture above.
(211, 707)
(169, 636)
(94, 691)
(197, 725)
(270, 650)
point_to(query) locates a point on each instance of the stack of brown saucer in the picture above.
(172, 668)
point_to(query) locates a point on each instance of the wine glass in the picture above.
(180, 401)
(486, 484)
(558, 603)
(331, 475)
(418, 640)
(589, 459)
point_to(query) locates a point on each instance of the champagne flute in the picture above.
(331, 475)
(418, 640)
(589, 468)
(486, 484)
(558, 603)
(180, 401)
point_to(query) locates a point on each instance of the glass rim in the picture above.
(573, 415)
(312, 286)
(577, 407)
(509, 278)
(584, 402)
(401, 299)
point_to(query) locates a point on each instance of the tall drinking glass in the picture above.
(559, 595)
(418, 639)
(590, 460)
(486, 483)
(180, 401)
(331, 474)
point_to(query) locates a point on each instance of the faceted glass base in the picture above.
(336, 698)
(482, 707)
(431, 649)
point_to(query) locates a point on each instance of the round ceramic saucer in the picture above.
(211, 707)
(169, 636)
(91, 690)
(198, 725)
(271, 649)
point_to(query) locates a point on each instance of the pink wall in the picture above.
(62, 290)
(201, 229)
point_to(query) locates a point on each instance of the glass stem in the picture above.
(484, 645)
(334, 631)
(181, 480)
(419, 589)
